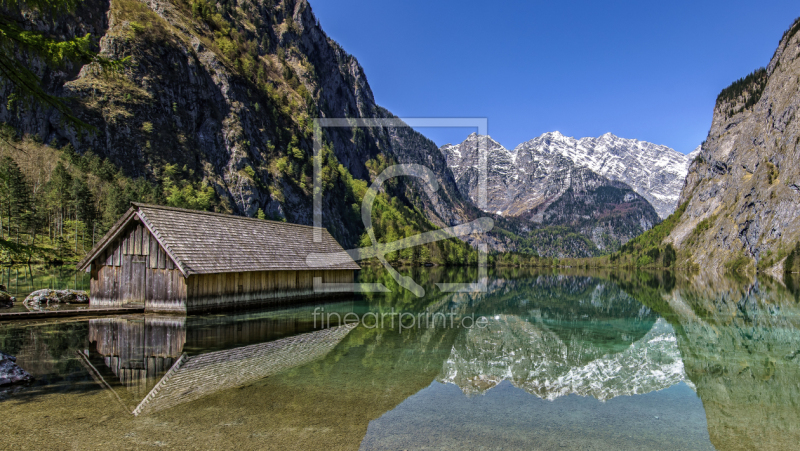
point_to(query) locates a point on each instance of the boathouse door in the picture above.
(134, 274)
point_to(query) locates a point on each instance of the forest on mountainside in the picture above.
(55, 204)
(211, 110)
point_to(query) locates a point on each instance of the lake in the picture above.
(541, 360)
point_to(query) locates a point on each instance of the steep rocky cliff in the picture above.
(548, 188)
(655, 172)
(227, 90)
(743, 189)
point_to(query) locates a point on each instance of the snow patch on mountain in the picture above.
(654, 171)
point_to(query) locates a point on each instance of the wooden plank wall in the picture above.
(244, 289)
(136, 269)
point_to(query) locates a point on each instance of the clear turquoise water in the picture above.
(563, 361)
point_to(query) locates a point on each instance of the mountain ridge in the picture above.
(550, 190)
(225, 92)
(654, 171)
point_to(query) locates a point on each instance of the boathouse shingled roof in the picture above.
(206, 243)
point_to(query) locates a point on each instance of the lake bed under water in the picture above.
(555, 361)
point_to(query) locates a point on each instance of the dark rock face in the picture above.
(549, 189)
(10, 373)
(6, 300)
(743, 185)
(42, 299)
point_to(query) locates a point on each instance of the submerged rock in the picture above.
(10, 373)
(6, 300)
(46, 298)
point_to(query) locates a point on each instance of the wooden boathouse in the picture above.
(183, 261)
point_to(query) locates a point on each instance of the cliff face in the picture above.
(228, 89)
(655, 172)
(743, 189)
(548, 188)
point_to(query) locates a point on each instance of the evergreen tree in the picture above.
(59, 198)
(84, 208)
(15, 196)
(790, 265)
(114, 203)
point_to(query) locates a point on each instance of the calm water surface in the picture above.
(561, 361)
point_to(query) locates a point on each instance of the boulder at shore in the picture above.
(46, 298)
(10, 373)
(6, 300)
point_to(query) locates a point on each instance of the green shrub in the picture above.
(736, 265)
(772, 173)
(703, 225)
(137, 28)
(227, 47)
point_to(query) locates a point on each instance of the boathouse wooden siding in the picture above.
(175, 260)
(136, 269)
(249, 288)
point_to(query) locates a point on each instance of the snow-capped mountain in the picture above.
(655, 172)
(549, 189)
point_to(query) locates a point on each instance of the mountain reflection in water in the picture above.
(740, 345)
(552, 336)
(601, 361)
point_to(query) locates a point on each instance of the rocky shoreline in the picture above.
(10, 372)
(6, 300)
(48, 299)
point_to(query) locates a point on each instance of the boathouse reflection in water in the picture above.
(154, 368)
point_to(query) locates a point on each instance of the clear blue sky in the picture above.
(649, 70)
